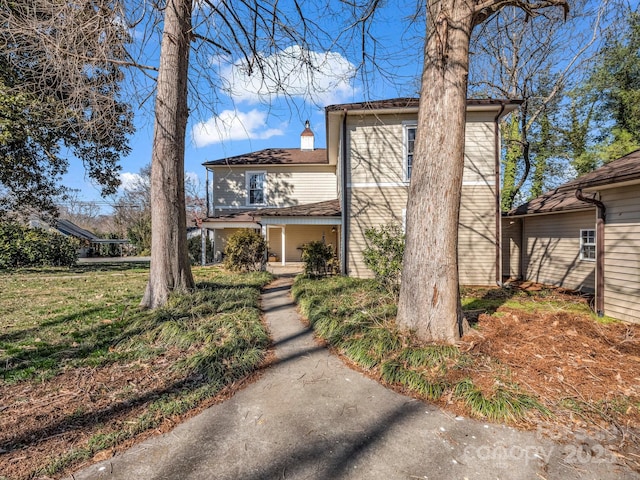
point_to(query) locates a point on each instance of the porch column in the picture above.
(284, 249)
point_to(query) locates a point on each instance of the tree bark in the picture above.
(429, 301)
(170, 268)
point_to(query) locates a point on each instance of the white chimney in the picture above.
(306, 138)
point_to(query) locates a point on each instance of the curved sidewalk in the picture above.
(311, 417)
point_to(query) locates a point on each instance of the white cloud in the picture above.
(322, 77)
(233, 125)
(130, 181)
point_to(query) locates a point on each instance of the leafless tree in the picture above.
(537, 62)
(193, 35)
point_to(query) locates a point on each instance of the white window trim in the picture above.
(247, 177)
(406, 125)
(583, 244)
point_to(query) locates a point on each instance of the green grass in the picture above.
(356, 317)
(55, 320)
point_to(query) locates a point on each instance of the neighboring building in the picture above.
(360, 181)
(89, 242)
(590, 243)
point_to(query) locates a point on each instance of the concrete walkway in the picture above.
(311, 417)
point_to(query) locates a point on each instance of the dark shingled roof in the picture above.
(409, 102)
(241, 216)
(275, 156)
(328, 208)
(563, 198)
(624, 169)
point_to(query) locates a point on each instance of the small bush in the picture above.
(195, 250)
(21, 246)
(245, 251)
(318, 259)
(384, 254)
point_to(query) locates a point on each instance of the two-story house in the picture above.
(360, 181)
(289, 194)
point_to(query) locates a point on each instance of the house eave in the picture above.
(310, 220)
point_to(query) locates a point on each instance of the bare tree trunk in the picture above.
(170, 268)
(429, 296)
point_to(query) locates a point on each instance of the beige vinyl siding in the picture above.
(378, 191)
(511, 247)
(622, 253)
(477, 236)
(285, 186)
(552, 250)
(479, 159)
(376, 149)
(371, 207)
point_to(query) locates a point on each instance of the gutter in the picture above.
(498, 202)
(600, 221)
(344, 230)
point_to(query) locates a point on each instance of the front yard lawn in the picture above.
(84, 371)
(537, 358)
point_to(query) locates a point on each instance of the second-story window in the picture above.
(409, 144)
(255, 188)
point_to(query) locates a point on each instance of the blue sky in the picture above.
(245, 115)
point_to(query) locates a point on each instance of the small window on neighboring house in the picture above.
(409, 144)
(587, 244)
(255, 188)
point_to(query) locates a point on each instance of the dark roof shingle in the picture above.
(275, 156)
(328, 208)
(563, 198)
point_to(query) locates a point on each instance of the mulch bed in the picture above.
(586, 373)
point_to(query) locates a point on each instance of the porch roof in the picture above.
(328, 208)
(325, 213)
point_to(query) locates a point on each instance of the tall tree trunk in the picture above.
(170, 268)
(429, 301)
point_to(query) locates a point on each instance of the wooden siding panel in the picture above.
(285, 186)
(552, 250)
(622, 253)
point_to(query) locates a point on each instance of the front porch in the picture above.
(285, 229)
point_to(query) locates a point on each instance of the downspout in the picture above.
(344, 207)
(496, 135)
(600, 221)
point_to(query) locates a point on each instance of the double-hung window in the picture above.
(587, 244)
(255, 188)
(409, 144)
